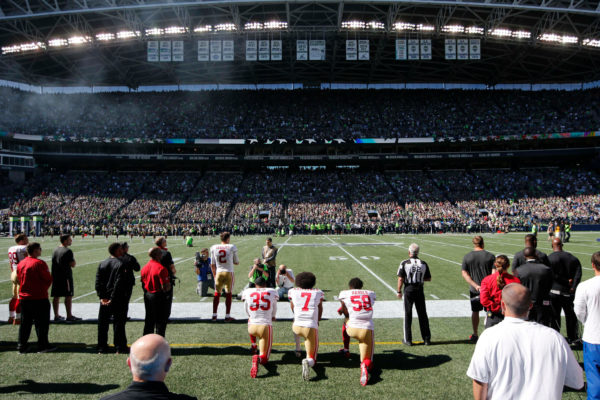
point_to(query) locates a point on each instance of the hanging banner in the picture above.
(301, 50)
(153, 51)
(413, 49)
(363, 50)
(276, 50)
(165, 50)
(251, 50)
(462, 49)
(351, 50)
(228, 50)
(475, 49)
(203, 50)
(425, 49)
(178, 50)
(216, 47)
(263, 50)
(316, 50)
(400, 49)
(450, 49)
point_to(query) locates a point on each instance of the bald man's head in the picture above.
(529, 253)
(150, 358)
(557, 244)
(516, 300)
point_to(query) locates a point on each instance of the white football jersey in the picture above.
(16, 254)
(260, 305)
(306, 306)
(360, 307)
(224, 256)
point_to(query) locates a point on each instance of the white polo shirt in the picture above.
(524, 360)
(587, 308)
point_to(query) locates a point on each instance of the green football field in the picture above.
(212, 360)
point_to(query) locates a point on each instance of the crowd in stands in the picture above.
(300, 114)
(304, 201)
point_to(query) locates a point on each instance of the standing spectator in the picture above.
(412, 273)
(223, 257)
(261, 307)
(476, 265)
(517, 359)
(63, 263)
(269, 253)
(113, 289)
(587, 308)
(491, 290)
(34, 281)
(284, 280)
(537, 278)
(16, 254)
(204, 273)
(149, 362)
(157, 286)
(566, 271)
(167, 261)
(519, 258)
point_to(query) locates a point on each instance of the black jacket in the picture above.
(147, 391)
(111, 280)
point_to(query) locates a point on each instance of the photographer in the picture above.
(284, 280)
(204, 273)
(257, 270)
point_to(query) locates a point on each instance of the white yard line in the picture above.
(84, 295)
(138, 299)
(465, 296)
(434, 296)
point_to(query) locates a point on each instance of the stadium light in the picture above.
(154, 32)
(58, 43)
(501, 32)
(275, 25)
(453, 29)
(253, 26)
(521, 35)
(205, 28)
(425, 28)
(127, 34)
(555, 38)
(175, 30)
(353, 24)
(474, 30)
(591, 42)
(404, 26)
(225, 27)
(376, 25)
(103, 37)
(79, 39)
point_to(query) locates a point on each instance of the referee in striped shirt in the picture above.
(412, 273)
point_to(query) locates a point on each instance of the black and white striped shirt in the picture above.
(414, 271)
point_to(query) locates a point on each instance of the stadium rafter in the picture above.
(523, 41)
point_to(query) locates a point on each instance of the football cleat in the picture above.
(254, 369)
(364, 374)
(305, 369)
(229, 319)
(344, 352)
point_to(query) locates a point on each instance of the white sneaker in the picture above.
(305, 369)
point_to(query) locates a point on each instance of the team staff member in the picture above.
(62, 278)
(537, 278)
(587, 308)
(357, 307)
(269, 253)
(566, 271)
(261, 307)
(34, 281)
(167, 261)
(412, 273)
(16, 254)
(307, 304)
(223, 257)
(130, 264)
(112, 287)
(519, 258)
(476, 265)
(157, 286)
(491, 290)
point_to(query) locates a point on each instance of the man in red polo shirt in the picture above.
(157, 285)
(34, 280)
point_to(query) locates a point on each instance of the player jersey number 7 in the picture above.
(306, 306)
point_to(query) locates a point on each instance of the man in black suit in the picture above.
(537, 277)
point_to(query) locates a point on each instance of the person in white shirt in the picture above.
(357, 306)
(587, 309)
(261, 307)
(223, 257)
(16, 254)
(519, 359)
(284, 280)
(307, 305)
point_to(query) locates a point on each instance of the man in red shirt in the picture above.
(157, 286)
(34, 280)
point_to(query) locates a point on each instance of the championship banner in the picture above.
(413, 49)
(425, 49)
(227, 50)
(251, 50)
(276, 50)
(462, 49)
(400, 49)
(165, 51)
(178, 50)
(216, 47)
(263, 50)
(363, 50)
(316, 50)
(301, 50)
(450, 49)
(203, 50)
(351, 50)
(475, 49)
(153, 51)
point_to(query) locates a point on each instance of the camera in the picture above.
(282, 271)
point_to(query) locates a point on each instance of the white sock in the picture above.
(297, 339)
(227, 316)
(11, 314)
(311, 361)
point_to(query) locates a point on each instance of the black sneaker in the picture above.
(123, 350)
(103, 350)
(406, 342)
(427, 342)
(473, 338)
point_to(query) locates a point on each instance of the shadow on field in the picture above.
(271, 371)
(31, 386)
(398, 359)
(210, 351)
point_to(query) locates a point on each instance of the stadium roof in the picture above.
(104, 42)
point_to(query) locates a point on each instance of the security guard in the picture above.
(412, 273)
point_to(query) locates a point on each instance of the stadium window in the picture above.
(276, 167)
(347, 166)
(311, 167)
